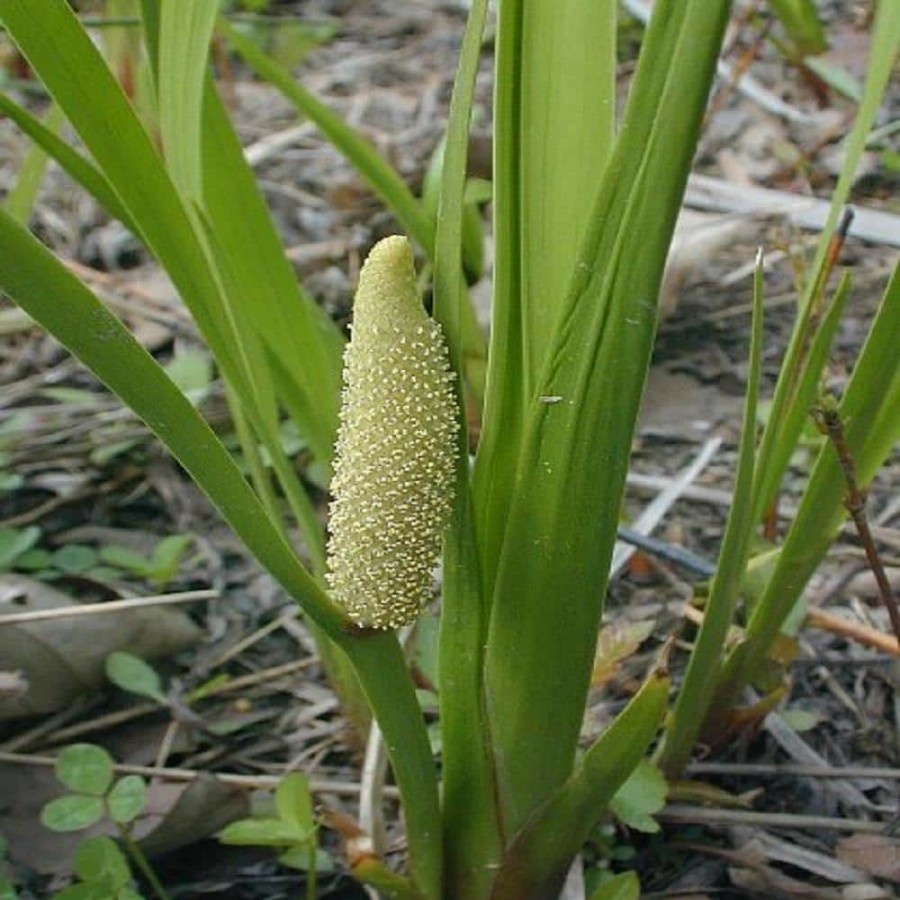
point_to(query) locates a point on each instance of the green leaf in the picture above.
(74, 812)
(127, 799)
(471, 820)
(73, 559)
(265, 286)
(126, 559)
(294, 802)
(836, 77)
(549, 518)
(263, 833)
(299, 858)
(377, 172)
(184, 35)
(16, 541)
(800, 19)
(542, 850)
(624, 886)
(21, 198)
(86, 768)
(166, 557)
(872, 429)
(7, 890)
(100, 860)
(131, 673)
(75, 165)
(34, 561)
(192, 371)
(642, 795)
(790, 403)
(695, 697)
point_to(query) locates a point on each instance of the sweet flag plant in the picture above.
(584, 207)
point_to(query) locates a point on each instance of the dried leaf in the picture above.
(876, 854)
(177, 815)
(699, 792)
(615, 643)
(65, 657)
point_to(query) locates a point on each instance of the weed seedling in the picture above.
(292, 830)
(96, 794)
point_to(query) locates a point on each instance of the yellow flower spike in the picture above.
(396, 448)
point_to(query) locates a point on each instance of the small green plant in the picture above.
(159, 568)
(103, 873)
(292, 831)
(20, 552)
(97, 795)
(132, 674)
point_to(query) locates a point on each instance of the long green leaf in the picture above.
(382, 178)
(472, 839)
(695, 697)
(306, 343)
(185, 32)
(75, 165)
(56, 299)
(563, 510)
(21, 197)
(536, 861)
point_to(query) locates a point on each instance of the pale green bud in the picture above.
(396, 448)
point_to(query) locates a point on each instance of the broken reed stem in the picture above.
(829, 421)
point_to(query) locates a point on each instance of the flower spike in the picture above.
(396, 448)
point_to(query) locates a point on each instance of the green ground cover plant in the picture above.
(584, 205)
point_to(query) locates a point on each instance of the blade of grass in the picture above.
(291, 327)
(869, 411)
(801, 21)
(505, 401)
(563, 510)
(21, 197)
(794, 389)
(75, 165)
(379, 175)
(694, 698)
(263, 413)
(472, 840)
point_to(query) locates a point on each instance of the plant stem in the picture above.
(141, 861)
(829, 420)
